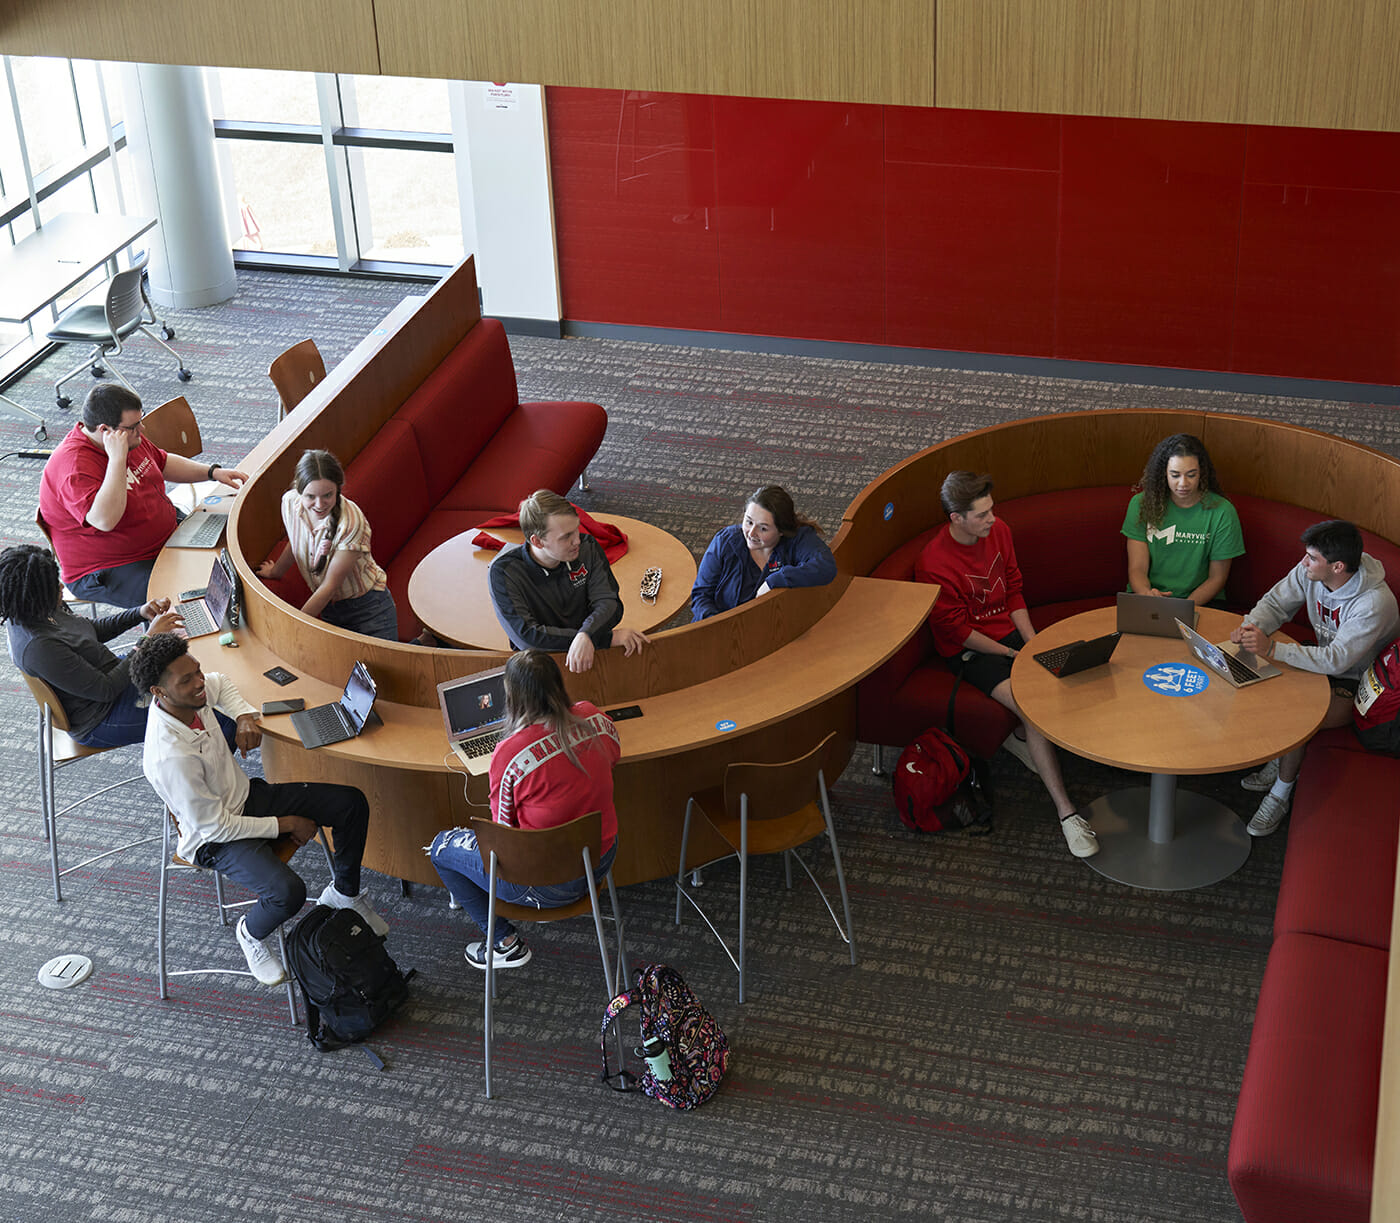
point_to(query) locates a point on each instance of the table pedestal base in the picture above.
(1165, 840)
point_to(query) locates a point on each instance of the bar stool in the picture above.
(57, 750)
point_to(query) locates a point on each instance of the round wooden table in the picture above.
(448, 590)
(1157, 837)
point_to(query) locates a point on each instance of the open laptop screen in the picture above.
(472, 703)
(358, 698)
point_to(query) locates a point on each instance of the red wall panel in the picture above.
(1212, 246)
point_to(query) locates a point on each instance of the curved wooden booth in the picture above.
(764, 682)
(1283, 1159)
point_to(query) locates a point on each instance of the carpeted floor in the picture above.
(1021, 1038)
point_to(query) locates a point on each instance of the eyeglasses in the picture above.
(136, 428)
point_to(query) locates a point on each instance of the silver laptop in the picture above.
(474, 713)
(202, 529)
(206, 614)
(343, 719)
(1154, 615)
(1231, 662)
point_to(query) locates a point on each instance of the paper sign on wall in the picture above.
(501, 96)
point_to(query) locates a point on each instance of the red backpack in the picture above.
(936, 787)
(1376, 710)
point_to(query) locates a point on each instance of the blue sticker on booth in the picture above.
(726, 724)
(889, 510)
(1176, 679)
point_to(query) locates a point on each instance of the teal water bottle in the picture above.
(658, 1058)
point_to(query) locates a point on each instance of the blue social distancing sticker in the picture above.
(889, 510)
(726, 724)
(1176, 679)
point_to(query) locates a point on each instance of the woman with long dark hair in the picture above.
(554, 765)
(1182, 533)
(68, 652)
(771, 548)
(328, 538)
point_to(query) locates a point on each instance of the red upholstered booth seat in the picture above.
(1304, 1136)
(459, 450)
(1339, 871)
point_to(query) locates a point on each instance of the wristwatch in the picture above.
(213, 467)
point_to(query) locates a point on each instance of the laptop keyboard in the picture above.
(325, 721)
(198, 621)
(206, 535)
(480, 745)
(1053, 660)
(1241, 673)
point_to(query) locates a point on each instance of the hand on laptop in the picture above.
(167, 621)
(1251, 637)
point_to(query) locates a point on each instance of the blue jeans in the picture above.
(255, 864)
(126, 723)
(372, 614)
(120, 586)
(459, 863)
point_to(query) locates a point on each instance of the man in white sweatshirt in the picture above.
(1353, 615)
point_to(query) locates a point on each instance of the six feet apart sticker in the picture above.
(1176, 679)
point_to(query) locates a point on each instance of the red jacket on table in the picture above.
(535, 785)
(981, 587)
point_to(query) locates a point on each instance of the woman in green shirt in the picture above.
(1182, 533)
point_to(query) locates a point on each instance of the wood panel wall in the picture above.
(1316, 63)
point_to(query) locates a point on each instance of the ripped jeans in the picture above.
(458, 862)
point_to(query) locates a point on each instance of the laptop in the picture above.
(1154, 615)
(202, 529)
(1231, 662)
(474, 713)
(343, 719)
(1079, 656)
(206, 614)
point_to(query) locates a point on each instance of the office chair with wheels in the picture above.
(124, 310)
(754, 813)
(58, 750)
(543, 857)
(170, 863)
(295, 372)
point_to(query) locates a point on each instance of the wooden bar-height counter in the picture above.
(781, 670)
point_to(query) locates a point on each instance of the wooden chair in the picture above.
(170, 863)
(545, 857)
(69, 597)
(295, 372)
(754, 813)
(173, 428)
(58, 750)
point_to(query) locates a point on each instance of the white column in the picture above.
(501, 131)
(171, 138)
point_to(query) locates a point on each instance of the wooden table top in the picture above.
(1108, 714)
(448, 590)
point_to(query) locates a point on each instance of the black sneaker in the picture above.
(513, 956)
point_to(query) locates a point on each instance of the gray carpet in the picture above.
(1021, 1038)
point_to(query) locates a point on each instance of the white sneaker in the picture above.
(1263, 780)
(334, 899)
(264, 960)
(1017, 747)
(1270, 815)
(1079, 836)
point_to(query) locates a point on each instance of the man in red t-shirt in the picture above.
(980, 622)
(103, 498)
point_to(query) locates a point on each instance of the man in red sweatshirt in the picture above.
(980, 622)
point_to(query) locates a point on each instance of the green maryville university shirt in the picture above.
(1181, 546)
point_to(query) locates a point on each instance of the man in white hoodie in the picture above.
(1353, 615)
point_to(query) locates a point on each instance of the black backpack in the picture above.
(348, 981)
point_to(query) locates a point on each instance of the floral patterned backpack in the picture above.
(686, 1052)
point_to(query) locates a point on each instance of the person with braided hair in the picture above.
(328, 538)
(50, 642)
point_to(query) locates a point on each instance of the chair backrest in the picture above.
(43, 528)
(540, 856)
(173, 428)
(295, 372)
(125, 306)
(47, 696)
(777, 790)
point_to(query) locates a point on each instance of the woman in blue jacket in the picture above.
(772, 548)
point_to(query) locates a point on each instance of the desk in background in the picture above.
(41, 268)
